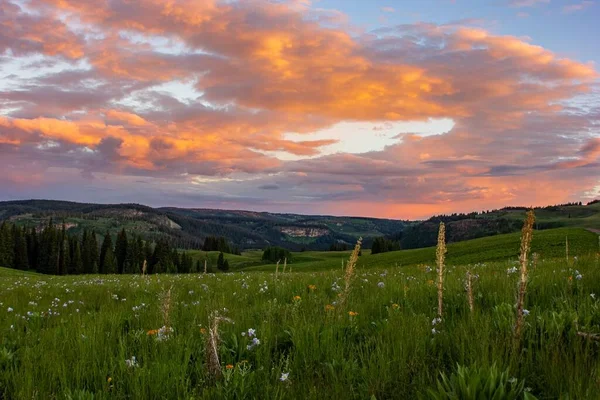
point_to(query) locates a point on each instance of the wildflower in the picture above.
(525, 312)
(381, 284)
(203, 331)
(255, 342)
(284, 376)
(593, 295)
(132, 362)
(312, 287)
(395, 306)
(430, 282)
(436, 321)
(9, 309)
(297, 298)
(511, 271)
(229, 366)
(329, 307)
(433, 331)
(251, 332)
(570, 278)
(152, 332)
(352, 313)
(164, 333)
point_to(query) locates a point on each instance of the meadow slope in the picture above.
(547, 244)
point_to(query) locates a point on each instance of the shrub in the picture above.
(274, 254)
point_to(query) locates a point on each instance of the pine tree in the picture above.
(121, 250)
(6, 248)
(129, 266)
(63, 252)
(89, 250)
(76, 264)
(94, 255)
(162, 258)
(32, 248)
(139, 254)
(108, 262)
(148, 254)
(220, 261)
(49, 250)
(187, 264)
(20, 258)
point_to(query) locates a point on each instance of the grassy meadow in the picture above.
(546, 243)
(297, 336)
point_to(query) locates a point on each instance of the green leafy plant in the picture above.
(478, 383)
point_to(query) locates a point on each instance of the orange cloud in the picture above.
(262, 69)
(129, 118)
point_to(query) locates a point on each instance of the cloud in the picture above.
(388, 9)
(571, 8)
(204, 96)
(527, 3)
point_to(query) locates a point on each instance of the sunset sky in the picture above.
(399, 109)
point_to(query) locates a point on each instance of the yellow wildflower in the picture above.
(229, 366)
(297, 298)
(329, 307)
(312, 287)
(352, 313)
(395, 306)
(203, 331)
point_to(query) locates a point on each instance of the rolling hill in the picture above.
(548, 244)
(187, 228)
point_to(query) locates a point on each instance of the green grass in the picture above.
(547, 243)
(64, 336)
(8, 272)
(571, 216)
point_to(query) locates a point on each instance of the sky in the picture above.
(395, 109)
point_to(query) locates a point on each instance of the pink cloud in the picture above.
(261, 69)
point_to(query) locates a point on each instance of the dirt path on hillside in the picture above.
(597, 231)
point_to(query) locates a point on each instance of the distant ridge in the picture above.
(188, 227)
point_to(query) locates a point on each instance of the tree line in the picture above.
(51, 250)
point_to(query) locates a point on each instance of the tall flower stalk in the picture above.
(349, 271)
(526, 236)
(440, 253)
